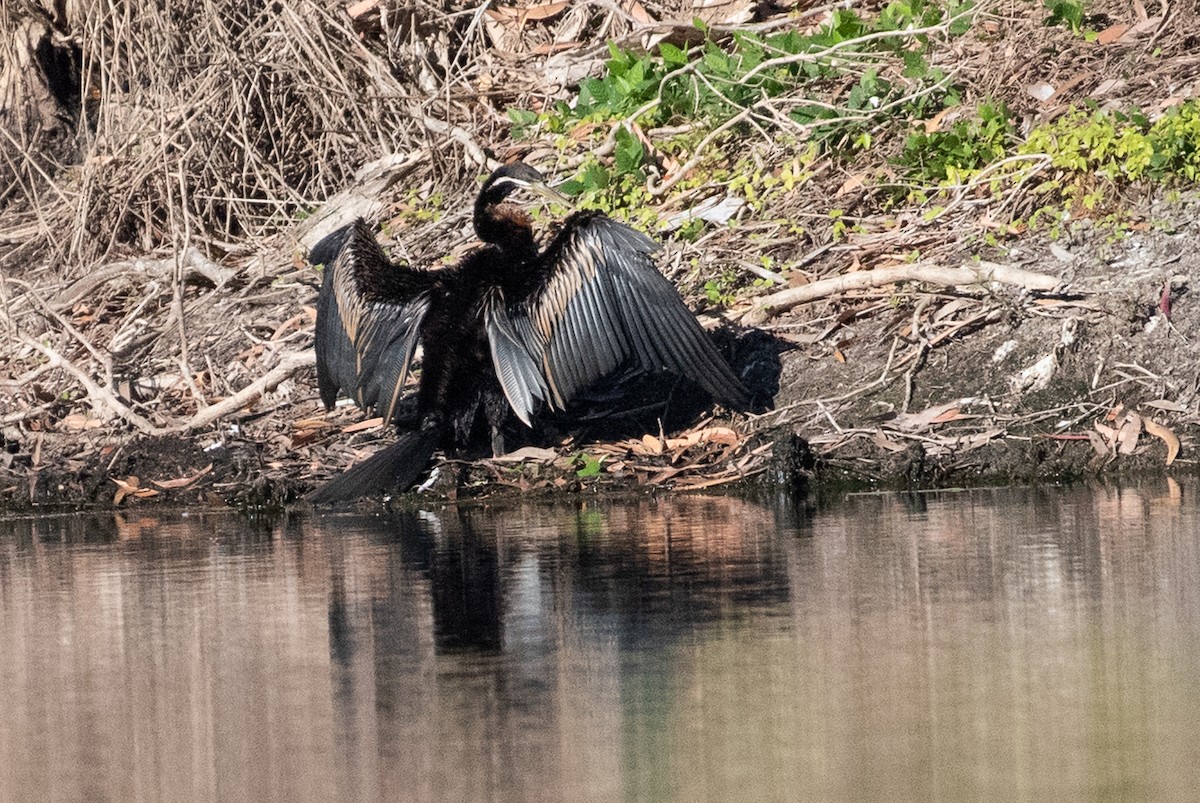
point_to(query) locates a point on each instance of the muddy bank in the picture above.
(156, 304)
(904, 386)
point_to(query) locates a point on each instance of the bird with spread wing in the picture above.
(510, 327)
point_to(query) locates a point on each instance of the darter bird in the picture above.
(507, 328)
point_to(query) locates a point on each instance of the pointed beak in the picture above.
(546, 191)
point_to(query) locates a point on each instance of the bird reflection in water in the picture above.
(473, 577)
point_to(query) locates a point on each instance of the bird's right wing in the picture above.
(369, 315)
(601, 302)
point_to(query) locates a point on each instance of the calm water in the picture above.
(999, 645)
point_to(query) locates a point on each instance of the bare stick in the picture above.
(100, 398)
(974, 273)
(196, 263)
(252, 392)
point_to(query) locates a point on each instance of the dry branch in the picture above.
(975, 273)
(195, 265)
(101, 399)
(363, 198)
(251, 393)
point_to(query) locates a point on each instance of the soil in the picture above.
(832, 421)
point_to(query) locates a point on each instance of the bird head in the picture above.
(518, 176)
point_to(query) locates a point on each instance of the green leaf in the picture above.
(672, 56)
(629, 152)
(915, 65)
(590, 465)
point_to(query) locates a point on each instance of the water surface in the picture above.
(1003, 644)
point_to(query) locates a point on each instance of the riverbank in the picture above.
(923, 296)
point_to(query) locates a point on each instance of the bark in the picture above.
(39, 95)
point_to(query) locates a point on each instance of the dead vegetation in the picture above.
(165, 169)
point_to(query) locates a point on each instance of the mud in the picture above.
(853, 384)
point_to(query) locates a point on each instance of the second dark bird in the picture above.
(509, 327)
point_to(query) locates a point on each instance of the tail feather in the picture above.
(395, 468)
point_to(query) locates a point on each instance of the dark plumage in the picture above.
(507, 324)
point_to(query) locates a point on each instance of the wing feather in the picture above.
(602, 301)
(369, 315)
(519, 376)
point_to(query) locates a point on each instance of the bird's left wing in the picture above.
(369, 315)
(601, 301)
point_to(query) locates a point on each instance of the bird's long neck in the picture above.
(505, 226)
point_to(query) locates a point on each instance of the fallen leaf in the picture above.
(1166, 436)
(724, 12)
(76, 422)
(979, 439)
(1108, 433)
(935, 123)
(510, 14)
(370, 423)
(534, 453)
(851, 184)
(887, 444)
(651, 444)
(638, 12)
(1108, 87)
(1165, 404)
(356, 10)
(183, 482)
(294, 322)
(1128, 434)
(951, 307)
(664, 475)
(722, 435)
(915, 422)
(1099, 443)
(130, 486)
(1112, 33)
(949, 415)
(1145, 26)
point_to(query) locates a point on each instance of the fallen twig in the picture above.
(194, 264)
(251, 392)
(971, 274)
(101, 399)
